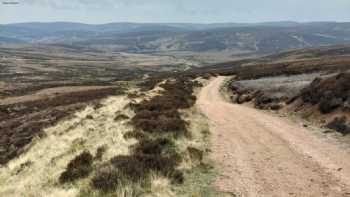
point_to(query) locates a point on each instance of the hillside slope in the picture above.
(244, 38)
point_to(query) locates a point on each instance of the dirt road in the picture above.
(264, 155)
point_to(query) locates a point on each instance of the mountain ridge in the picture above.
(267, 37)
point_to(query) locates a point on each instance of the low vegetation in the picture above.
(161, 113)
(144, 145)
(307, 94)
(23, 121)
(314, 83)
(158, 123)
(63, 161)
(75, 144)
(148, 156)
(100, 152)
(330, 93)
(79, 167)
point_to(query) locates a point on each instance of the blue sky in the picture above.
(194, 11)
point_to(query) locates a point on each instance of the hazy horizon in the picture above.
(132, 22)
(173, 11)
(150, 22)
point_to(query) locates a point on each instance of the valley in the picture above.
(129, 109)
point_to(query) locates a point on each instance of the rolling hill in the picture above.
(262, 38)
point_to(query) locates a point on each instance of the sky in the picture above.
(173, 11)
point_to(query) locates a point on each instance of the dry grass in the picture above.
(127, 162)
(199, 138)
(158, 186)
(155, 151)
(49, 156)
(23, 121)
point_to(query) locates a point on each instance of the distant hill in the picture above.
(7, 40)
(262, 38)
(335, 57)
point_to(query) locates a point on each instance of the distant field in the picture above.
(115, 109)
(27, 68)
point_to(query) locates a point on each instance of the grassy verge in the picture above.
(198, 182)
(169, 158)
(151, 143)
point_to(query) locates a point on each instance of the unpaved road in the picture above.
(264, 155)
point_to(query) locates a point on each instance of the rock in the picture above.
(328, 131)
(311, 94)
(292, 99)
(243, 99)
(234, 87)
(346, 104)
(339, 124)
(275, 106)
(234, 98)
(263, 101)
(328, 105)
(330, 93)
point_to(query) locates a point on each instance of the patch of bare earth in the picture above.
(264, 155)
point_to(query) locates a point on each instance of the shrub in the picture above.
(160, 114)
(132, 95)
(148, 156)
(161, 124)
(163, 164)
(146, 114)
(177, 177)
(100, 152)
(89, 117)
(79, 167)
(135, 168)
(160, 121)
(171, 124)
(311, 94)
(130, 167)
(149, 84)
(154, 147)
(135, 134)
(329, 103)
(207, 76)
(330, 93)
(106, 179)
(121, 117)
(195, 154)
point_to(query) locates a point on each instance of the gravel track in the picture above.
(260, 154)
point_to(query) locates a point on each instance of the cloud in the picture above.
(202, 11)
(129, 4)
(71, 4)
